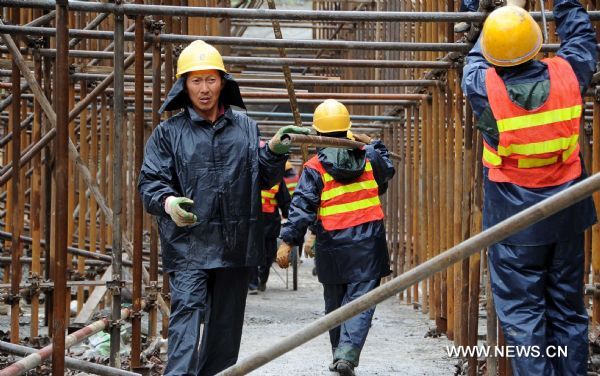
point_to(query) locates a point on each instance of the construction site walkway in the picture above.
(397, 343)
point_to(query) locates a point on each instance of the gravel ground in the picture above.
(396, 344)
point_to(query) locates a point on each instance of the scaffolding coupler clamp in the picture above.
(115, 285)
(34, 280)
(152, 291)
(11, 299)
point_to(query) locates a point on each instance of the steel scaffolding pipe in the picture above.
(35, 359)
(340, 96)
(71, 363)
(261, 42)
(320, 141)
(61, 126)
(258, 82)
(423, 271)
(267, 61)
(263, 14)
(288, 115)
(358, 102)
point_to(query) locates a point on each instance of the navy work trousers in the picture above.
(348, 339)
(538, 295)
(217, 299)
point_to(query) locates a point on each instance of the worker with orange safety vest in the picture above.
(530, 112)
(290, 177)
(275, 206)
(338, 192)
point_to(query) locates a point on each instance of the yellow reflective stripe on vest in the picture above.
(291, 185)
(542, 118)
(354, 187)
(567, 153)
(351, 206)
(536, 162)
(267, 194)
(549, 146)
(491, 157)
(327, 177)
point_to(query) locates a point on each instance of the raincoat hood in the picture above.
(343, 164)
(178, 96)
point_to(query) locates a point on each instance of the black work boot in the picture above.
(344, 368)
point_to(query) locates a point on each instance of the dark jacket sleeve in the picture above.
(578, 39)
(473, 81)
(271, 166)
(283, 200)
(157, 176)
(383, 167)
(304, 208)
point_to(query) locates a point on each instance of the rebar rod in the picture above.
(263, 14)
(434, 265)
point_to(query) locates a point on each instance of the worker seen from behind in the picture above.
(339, 193)
(275, 205)
(529, 112)
(290, 177)
(201, 178)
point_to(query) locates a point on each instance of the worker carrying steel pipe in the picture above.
(338, 192)
(201, 177)
(529, 112)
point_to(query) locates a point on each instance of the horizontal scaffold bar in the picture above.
(305, 15)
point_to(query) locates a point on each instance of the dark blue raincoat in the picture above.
(350, 255)
(350, 262)
(537, 274)
(222, 168)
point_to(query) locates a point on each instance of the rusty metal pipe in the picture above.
(321, 141)
(138, 224)
(261, 42)
(61, 107)
(71, 363)
(35, 359)
(15, 197)
(247, 14)
(341, 96)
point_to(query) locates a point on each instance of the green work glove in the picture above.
(180, 216)
(275, 143)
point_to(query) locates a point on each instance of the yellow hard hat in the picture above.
(199, 55)
(510, 37)
(331, 116)
(288, 165)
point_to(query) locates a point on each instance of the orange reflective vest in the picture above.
(291, 183)
(269, 202)
(345, 205)
(537, 148)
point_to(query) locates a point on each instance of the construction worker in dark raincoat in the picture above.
(338, 193)
(529, 112)
(201, 178)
